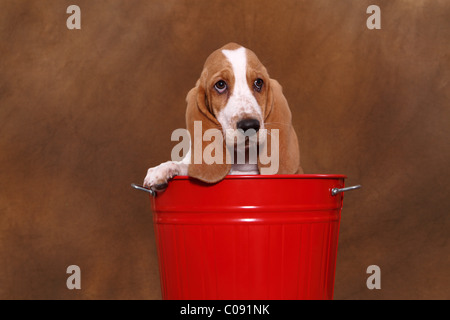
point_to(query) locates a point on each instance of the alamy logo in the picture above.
(74, 20)
(248, 147)
(374, 21)
(73, 281)
(374, 280)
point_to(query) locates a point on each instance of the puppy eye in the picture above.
(258, 84)
(220, 86)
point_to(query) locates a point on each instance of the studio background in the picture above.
(84, 113)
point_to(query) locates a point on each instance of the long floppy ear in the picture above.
(278, 116)
(199, 119)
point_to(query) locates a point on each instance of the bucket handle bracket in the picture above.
(137, 187)
(335, 191)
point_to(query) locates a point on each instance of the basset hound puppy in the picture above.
(234, 92)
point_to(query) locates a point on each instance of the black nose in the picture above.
(246, 124)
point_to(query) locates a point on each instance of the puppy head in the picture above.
(235, 92)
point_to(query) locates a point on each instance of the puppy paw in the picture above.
(157, 177)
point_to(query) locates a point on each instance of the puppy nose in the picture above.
(246, 124)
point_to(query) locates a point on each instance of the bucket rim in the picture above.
(275, 176)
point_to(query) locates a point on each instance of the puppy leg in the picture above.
(157, 177)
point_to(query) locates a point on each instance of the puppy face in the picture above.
(236, 86)
(234, 91)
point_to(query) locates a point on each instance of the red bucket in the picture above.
(249, 237)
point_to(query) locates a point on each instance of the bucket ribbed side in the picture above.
(232, 261)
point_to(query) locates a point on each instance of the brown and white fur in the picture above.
(234, 92)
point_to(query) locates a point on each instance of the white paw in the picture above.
(157, 177)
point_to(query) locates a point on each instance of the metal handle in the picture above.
(335, 191)
(153, 193)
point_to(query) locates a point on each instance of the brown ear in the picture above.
(198, 111)
(278, 116)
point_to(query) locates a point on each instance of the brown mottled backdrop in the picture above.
(83, 113)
